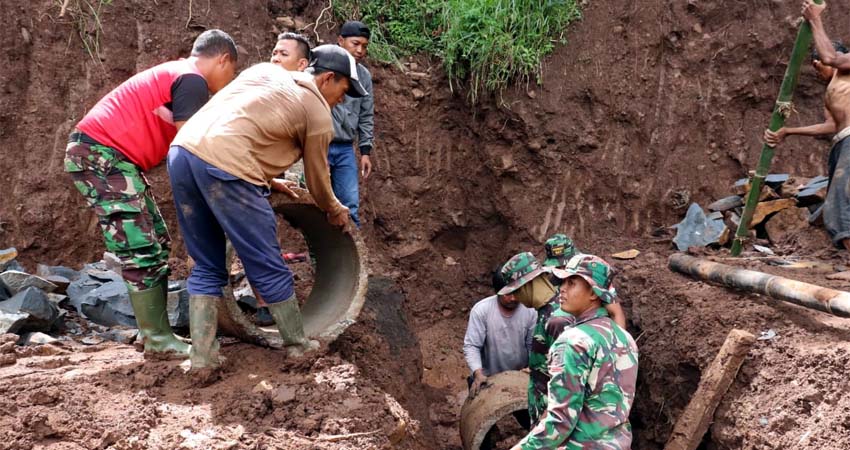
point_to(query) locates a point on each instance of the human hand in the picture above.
(285, 186)
(774, 138)
(812, 11)
(340, 219)
(479, 381)
(365, 166)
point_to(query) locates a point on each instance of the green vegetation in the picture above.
(486, 43)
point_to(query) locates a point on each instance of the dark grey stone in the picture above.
(17, 281)
(775, 180)
(103, 275)
(264, 317)
(13, 265)
(726, 203)
(248, 300)
(120, 335)
(43, 314)
(697, 230)
(178, 308)
(78, 289)
(60, 282)
(45, 271)
(108, 305)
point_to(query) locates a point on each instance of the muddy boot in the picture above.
(203, 324)
(155, 332)
(287, 315)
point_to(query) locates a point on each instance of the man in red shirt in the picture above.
(126, 134)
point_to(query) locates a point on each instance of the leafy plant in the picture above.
(485, 43)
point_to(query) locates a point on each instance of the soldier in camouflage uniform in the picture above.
(559, 250)
(593, 365)
(530, 283)
(125, 134)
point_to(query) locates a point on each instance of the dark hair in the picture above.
(837, 45)
(301, 40)
(498, 281)
(212, 43)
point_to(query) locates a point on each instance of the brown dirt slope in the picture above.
(648, 106)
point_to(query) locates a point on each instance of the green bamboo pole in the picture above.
(781, 111)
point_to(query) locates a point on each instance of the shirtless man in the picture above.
(832, 64)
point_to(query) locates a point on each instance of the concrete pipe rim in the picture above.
(340, 279)
(507, 393)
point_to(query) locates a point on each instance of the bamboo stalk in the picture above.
(804, 294)
(781, 110)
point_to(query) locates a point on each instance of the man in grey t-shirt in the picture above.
(498, 336)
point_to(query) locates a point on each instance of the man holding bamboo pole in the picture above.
(834, 66)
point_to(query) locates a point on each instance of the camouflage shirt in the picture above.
(594, 367)
(551, 321)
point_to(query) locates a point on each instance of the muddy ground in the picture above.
(649, 106)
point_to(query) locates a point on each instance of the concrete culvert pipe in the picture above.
(339, 284)
(505, 394)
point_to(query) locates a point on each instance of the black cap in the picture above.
(354, 28)
(336, 59)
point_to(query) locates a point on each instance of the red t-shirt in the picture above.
(137, 118)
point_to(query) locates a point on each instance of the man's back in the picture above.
(260, 124)
(496, 342)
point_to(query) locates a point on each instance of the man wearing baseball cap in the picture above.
(223, 165)
(593, 366)
(559, 250)
(354, 120)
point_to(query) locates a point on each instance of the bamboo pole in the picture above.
(804, 294)
(781, 110)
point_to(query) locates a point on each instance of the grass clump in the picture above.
(484, 43)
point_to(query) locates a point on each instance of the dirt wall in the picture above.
(649, 106)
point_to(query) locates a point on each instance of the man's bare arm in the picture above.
(823, 44)
(773, 138)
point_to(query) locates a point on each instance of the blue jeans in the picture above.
(344, 177)
(212, 203)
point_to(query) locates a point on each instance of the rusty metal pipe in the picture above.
(804, 294)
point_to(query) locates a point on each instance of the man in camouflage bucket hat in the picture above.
(559, 250)
(530, 283)
(593, 365)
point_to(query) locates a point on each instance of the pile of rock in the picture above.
(34, 304)
(787, 205)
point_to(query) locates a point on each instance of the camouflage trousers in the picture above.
(537, 400)
(121, 196)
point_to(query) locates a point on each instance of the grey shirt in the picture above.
(495, 342)
(354, 118)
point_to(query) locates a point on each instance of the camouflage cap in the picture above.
(520, 269)
(559, 250)
(595, 271)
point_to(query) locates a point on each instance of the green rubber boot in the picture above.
(155, 332)
(203, 324)
(287, 316)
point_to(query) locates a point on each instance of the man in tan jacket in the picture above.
(222, 166)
